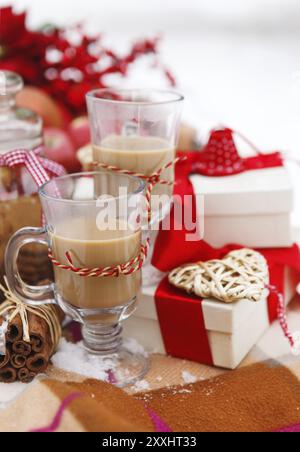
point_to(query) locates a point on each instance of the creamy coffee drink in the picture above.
(91, 247)
(144, 155)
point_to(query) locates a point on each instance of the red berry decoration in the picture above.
(65, 70)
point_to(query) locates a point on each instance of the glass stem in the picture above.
(102, 339)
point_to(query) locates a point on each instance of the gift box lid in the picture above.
(265, 191)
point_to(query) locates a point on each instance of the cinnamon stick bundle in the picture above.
(24, 360)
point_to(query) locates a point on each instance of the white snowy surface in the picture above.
(188, 377)
(73, 358)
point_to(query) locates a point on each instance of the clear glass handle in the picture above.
(34, 295)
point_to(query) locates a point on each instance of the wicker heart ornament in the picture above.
(241, 275)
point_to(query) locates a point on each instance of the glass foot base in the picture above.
(121, 369)
(128, 368)
(118, 364)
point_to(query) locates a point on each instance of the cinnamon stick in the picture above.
(18, 361)
(42, 346)
(4, 359)
(25, 376)
(38, 362)
(15, 330)
(39, 332)
(8, 374)
(21, 348)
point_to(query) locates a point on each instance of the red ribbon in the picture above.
(182, 325)
(220, 156)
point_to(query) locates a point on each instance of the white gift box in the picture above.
(233, 329)
(252, 208)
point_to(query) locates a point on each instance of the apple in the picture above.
(52, 113)
(79, 130)
(59, 147)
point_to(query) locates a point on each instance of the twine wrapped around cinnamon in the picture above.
(31, 338)
(241, 275)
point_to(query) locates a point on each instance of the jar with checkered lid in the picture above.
(20, 128)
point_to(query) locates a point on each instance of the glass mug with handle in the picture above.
(137, 130)
(93, 221)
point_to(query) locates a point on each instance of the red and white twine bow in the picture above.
(135, 264)
(38, 167)
(152, 180)
(126, 269)
(282, 316)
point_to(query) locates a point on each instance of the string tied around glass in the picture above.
(133, 265)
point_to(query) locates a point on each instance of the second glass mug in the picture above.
(87, 217)
(137, 130)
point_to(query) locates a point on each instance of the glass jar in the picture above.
(20, 128)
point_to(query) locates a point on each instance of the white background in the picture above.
(237, 61)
